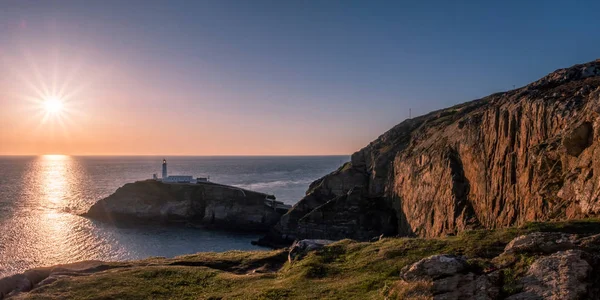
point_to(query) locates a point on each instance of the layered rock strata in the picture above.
(529, 154)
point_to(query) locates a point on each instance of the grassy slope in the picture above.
(344, 270)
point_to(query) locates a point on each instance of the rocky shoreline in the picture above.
(537, 261)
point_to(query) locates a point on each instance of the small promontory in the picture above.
(207, 204)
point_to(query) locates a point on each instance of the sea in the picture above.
(41, 198)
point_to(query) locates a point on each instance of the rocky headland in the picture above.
(204, 204)
(496, 198)
(529, 154)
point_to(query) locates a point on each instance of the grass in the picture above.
(344, 270)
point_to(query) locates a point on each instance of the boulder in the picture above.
(434, 267)
(561, 276)
(590, 243)
(23, 282)
(449, 278)
(26, 281)
(542, 242)
(467, 286)
(301, 248)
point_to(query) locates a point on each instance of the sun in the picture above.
(53, 105)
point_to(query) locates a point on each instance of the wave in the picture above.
(273, 184)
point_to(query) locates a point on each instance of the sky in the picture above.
(263, 77)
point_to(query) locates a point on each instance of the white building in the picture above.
(177, 178)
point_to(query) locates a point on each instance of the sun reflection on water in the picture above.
(41, 197)
(54, 176)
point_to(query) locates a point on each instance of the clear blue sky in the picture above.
(332, 75)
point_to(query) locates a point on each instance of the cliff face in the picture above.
(532, 153)
(204, 204)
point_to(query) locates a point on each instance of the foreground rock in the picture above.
(300, 248)
(436, 266)
(206, 204)
(516, 263)
(563, 275)
(561, 271)
(542, 242)
(449, 277)
(24, 282)
(527, 154)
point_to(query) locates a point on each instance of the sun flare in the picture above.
(53, 105)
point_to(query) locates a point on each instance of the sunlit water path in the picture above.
(40, 198)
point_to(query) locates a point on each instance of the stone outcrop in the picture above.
(436, 266)
(450, 277)
(24, 282)
(528, 154)
(564, 267)
(205, 204)
(300, 248)
(563, 275)
(542, 242)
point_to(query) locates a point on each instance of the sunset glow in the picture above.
(53, 105)
(222, 78)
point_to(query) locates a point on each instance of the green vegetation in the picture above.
(345, 167)
(343, 270)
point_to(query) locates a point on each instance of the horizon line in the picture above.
(177, 155)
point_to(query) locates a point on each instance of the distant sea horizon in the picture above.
(176, 155)
(42, 195)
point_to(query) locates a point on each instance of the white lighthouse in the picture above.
(177, 178)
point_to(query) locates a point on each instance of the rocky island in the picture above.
(205, 204)
(496, 198)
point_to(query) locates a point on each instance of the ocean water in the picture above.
(41, 196)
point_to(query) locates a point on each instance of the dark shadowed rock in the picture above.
(590, 243)
(205, 204)
(467, 286)
(579, 138)
(348, 216)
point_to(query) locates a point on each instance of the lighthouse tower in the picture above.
(164, 169)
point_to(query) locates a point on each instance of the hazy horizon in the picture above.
(172, 155)
(262, 77)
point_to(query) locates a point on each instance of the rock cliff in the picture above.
(528, 154)
(206, 204)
